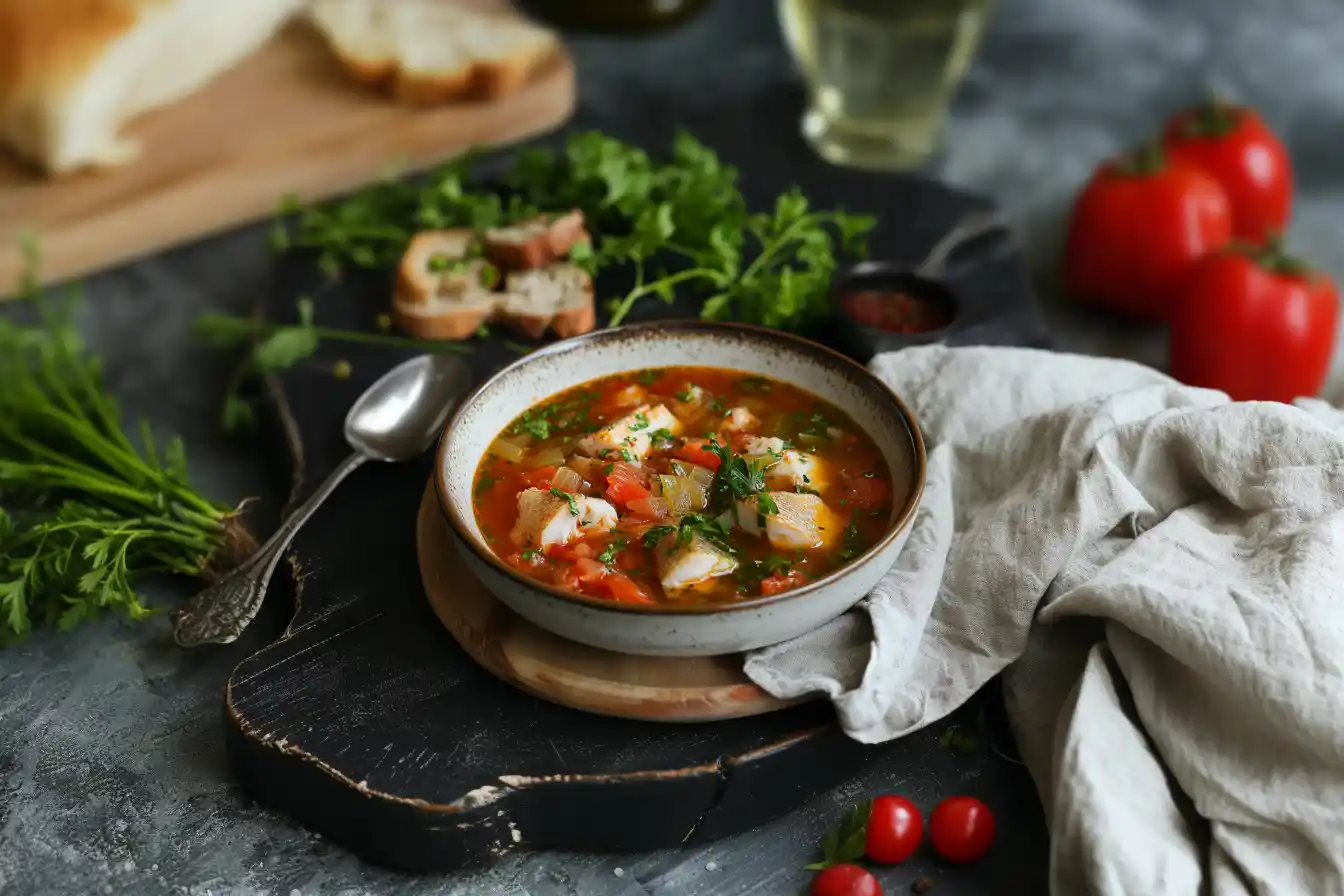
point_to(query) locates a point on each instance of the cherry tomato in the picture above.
(961, 829)
(1138, 227)
(1256, 324)
(845, 880)
(1235, 147)
(895, 828)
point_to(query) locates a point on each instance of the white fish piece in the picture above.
(786, 468)
(631, 432)
(693, 563)
(800, 521)
(740, 419)
(545, 518)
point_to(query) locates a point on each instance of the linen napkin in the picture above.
(1159, 574)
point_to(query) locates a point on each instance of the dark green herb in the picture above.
(846, 842)
(608, 555)
(662, 438)
(88, 513)
(573, 503)
(656, 534)
(530, 554)
(641, 422)
(851, 542)
(677, 224)
(484, 484)
(606, 471)
(648, 377)
(684, 397)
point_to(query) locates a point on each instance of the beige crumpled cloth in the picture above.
(1159, 574)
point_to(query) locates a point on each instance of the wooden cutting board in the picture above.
(286, 120)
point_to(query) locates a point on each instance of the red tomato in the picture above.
(1235, 147)
(961, 829)
(538, 478)
(625, 589)
(845, 880)
(895, 828)
(625, 484)
(1259, 326)
(696, 451)
(777, 583)
(1137, 228)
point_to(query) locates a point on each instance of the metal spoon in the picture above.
(396, 419)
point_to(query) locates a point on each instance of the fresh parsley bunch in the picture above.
(676, 224)
(85, 512)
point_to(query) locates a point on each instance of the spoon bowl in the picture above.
(400, 416)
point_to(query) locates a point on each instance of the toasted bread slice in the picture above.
(444, 319)
(535, 243)
(433, 51)
(443, 265)
(558, 297)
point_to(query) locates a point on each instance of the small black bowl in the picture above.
(925, 289)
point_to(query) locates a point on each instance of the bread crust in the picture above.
(440, 321)
(416, 283)
(549, 247)
(45, 48)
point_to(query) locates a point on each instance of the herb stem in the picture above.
(628, 300)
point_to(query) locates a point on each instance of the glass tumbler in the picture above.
(880, 74)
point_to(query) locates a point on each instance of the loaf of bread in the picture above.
(74, 72)
(429, 52)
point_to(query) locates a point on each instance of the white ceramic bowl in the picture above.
(682, 630)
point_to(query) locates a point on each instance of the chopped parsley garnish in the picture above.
(573, 504)
(851, 542)
(662, 437)
(656, 534)
(683, 397)
(755, 384)
(530, 554)
(766, 505)
(484, 484)
(535, 426)
(606, 471)
(627, 456)
(641, 422)
(647, 377)
(608, 555)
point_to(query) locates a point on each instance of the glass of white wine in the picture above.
(880, 74)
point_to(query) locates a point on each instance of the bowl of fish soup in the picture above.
(681, 488)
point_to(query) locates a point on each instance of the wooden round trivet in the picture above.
(657, 689)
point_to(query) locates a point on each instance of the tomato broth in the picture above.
(682, 484)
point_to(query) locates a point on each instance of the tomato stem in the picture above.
(1274, 257)
(1145, 159)
(1216, 117)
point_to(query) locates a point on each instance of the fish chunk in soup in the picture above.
(682, 484)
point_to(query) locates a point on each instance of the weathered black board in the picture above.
(367, 722)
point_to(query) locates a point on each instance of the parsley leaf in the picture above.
(608, 555)
(846, 842)
(573, 503)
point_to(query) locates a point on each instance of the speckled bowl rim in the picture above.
(878, 390)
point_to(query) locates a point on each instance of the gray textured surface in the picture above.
(112, 773)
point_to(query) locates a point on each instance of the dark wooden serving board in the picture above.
(367, 722)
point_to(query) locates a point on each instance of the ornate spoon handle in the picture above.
(220, 613)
